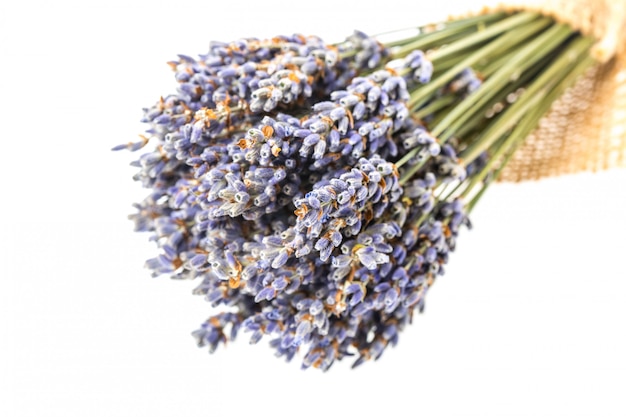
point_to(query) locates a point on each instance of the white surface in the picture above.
(528, 321)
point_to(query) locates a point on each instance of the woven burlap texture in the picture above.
(586, 128)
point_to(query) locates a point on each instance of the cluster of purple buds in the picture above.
(237, 80)
(297, 222)
(337, 207)
(368, 52)
(420, 66)
(466, 82)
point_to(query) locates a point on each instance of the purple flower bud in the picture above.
(198, 260)
(303, 329)
(430, 255)
(316, 307)
(266, 293)
(349, 101)
(311, 139)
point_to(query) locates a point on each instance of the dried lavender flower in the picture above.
(316, 191)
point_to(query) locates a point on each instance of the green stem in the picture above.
(509, 144)
(520, 132)
(441, 32)
(442, 36)
(525, 128)
(534, 94)
(495, 64)
(531, 122)
(490, 32)
(448, 63)
(519, 63)
(467, 132)
(434, 106)
(509, 39)
(503, 98)
(421, 95)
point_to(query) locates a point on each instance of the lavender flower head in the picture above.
(273, 181)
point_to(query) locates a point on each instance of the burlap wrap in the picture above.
(586, 129)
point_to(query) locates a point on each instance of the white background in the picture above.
(528, 320)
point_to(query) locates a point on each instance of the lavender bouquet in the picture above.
(317, 190)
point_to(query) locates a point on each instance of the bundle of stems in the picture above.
(526, 62)
(317, 190)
